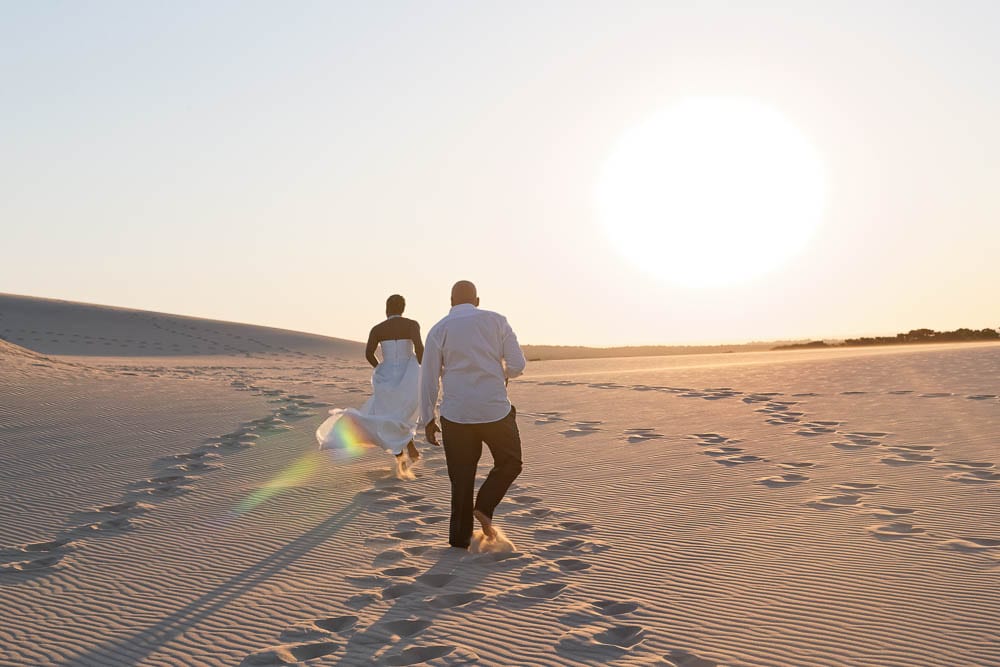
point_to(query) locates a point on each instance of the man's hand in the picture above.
(431, 431)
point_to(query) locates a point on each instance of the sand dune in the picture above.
(814, 509)
(51, 326)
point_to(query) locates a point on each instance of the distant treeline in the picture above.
(910, 337)
(553, 352)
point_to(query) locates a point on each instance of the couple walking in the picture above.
(468, 359)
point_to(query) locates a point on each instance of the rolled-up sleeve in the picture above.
(513, 356)
(430, 377)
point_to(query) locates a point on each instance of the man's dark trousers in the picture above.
(463, 445)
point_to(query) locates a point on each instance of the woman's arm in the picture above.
(370, 349)
(418, 345)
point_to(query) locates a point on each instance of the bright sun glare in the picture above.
(711, 192)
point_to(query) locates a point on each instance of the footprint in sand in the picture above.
(44, 563)
(433, 654)
(572, 565)
(319, 628)
(637, 435)
(894, 530)
(576, 525)
(904, 458)
(624, 636)
(407, 627)
(540, 572)
(682, 658)
(722, 451)
(406, 571)
(863, 440)
(423, 508)
(110, 525)
(739, 460)
(394, 591)
(711, 438)
(436, 580)
(419, 550)
(888, 513)
(834, 502)
(581, 428)
(366, 580)
(604, 645)
(540, 591)
(971, 544)
(431, 520)
(542, 418)
(974, 477)
(453, 600)
(858, 487)
(967, 465)
(290, 654)
(813, 431)
(614, 607)
(850, 446)
(362, 600)
(63, 544)
(796, 465)
(389, 556)
(779, 481)
(911, 448)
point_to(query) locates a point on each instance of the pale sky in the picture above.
(292, 164)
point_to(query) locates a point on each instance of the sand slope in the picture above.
(51, 326)
(763, 509)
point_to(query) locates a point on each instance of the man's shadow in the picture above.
(135, 647)
(449, 584)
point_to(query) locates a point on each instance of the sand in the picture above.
(835, 507)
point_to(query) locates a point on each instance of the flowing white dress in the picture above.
(387, 419)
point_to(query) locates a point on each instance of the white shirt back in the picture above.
(468, 356)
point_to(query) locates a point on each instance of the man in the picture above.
(472, 353)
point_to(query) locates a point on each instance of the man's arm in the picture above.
(513, 356)
(430, 377)
(418, 345)
(370, 349)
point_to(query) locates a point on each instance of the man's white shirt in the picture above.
(468, 356)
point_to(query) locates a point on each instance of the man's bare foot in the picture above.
(412, 450)
(486, 523)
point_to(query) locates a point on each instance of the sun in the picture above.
(712, 192)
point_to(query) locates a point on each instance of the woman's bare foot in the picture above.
(412, 450)
(486, 523)
(403, 467)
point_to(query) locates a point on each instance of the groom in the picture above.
(472, 353)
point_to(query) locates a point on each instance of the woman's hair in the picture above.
(395, 305)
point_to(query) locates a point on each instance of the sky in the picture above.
(293, 164)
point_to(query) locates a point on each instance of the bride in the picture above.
(387, 419)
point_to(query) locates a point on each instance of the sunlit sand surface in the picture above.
(798, 508)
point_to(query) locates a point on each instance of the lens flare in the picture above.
(342, 435)
(294, 475)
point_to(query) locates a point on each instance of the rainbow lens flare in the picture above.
(294, 475)
(345, 437)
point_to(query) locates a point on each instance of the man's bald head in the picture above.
(464, 292)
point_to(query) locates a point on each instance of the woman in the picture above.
(387, 419)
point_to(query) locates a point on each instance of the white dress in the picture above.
(387, 419)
